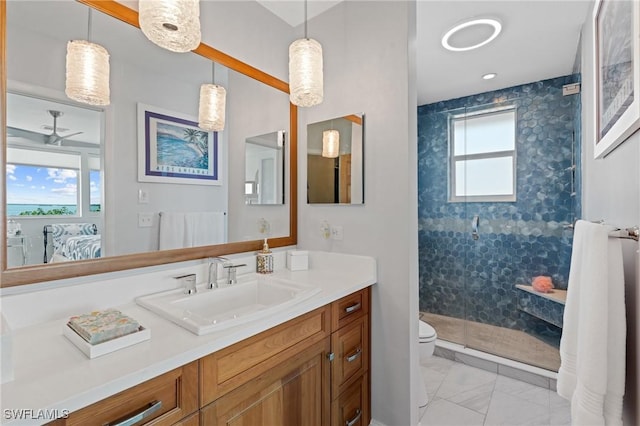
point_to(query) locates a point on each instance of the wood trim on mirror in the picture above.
(50, 272)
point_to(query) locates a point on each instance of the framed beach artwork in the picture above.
(616, 43)
(173, 149)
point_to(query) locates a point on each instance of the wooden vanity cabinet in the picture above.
(175, 393)
(350, 339)
(295, 392)
(310, 371)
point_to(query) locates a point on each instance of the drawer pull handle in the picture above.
(355, 419)
(355, 356)
(352, 308)
(139, 415)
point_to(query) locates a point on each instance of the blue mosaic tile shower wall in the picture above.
(475, 279)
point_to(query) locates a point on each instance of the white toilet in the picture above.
(427, 341)
(426, 344)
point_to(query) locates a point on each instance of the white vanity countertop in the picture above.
(52, 374)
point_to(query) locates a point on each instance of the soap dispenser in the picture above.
(265, 259)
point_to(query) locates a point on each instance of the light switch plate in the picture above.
(337, 233)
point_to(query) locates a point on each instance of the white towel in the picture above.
(592, 347)
(172, 230)
(204, 228)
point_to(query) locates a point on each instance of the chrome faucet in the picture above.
(189, 283)
(212, 282)
(231, 274)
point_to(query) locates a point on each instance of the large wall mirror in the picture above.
(71, 168)
(335, 163)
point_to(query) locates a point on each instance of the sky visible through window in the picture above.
(30, 187)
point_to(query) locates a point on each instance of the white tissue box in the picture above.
(298, 260)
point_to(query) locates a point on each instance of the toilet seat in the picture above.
(426, 333)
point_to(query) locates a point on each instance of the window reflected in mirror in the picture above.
(335, 164)
(264, 168)
(53, 173)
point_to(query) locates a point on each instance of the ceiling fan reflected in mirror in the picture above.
(53, 138)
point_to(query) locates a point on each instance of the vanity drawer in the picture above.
(349, 308)
(176, 392)
(350, 346)
(235, 365)
(351, 408)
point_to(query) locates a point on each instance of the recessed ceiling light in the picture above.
(495, 24)
(489, 76)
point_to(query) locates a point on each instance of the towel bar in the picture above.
(625, 234)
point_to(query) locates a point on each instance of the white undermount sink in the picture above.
(253, 297)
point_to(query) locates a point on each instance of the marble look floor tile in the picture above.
(560, 410)
(444, 413)
(509, 410)
(462, 378)
(438, 363)
(476, 399)
(432, 379)
(523, 390)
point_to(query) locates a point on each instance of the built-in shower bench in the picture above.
(548, 307)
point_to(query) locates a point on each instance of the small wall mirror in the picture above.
(264, 168)
(335, 162)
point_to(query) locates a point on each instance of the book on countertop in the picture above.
(101, 326)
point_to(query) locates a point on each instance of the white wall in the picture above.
(612, 192)
(368, 67)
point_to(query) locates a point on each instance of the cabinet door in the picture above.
(350, 345)
(351, 408)
(294, 393)
(232, 367)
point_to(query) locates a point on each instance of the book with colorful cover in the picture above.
(101, 326)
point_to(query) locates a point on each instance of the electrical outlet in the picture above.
(337, 233)
(145, 220)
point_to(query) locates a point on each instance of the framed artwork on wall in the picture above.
(616, 43)
(173, 149)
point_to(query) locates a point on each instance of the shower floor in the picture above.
(500, 341)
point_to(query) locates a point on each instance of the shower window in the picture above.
(483, 156)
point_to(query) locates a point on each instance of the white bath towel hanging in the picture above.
(204, 228)
(172, 229)
(592, 347)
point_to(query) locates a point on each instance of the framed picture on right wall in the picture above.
(616, 42)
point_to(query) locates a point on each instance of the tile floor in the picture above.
(512, 344)
(461, 395)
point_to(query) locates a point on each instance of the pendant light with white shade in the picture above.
(331, 143)
(171, 24)
(305, 70)
(87, 71)
(211, 114)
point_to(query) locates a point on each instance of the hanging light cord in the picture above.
(305, 19)
(213, 72)
(89, 26)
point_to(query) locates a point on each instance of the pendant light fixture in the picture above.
(330, 143)
(305, 70)
(212, 105)
(171, 24)
(87, 71)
